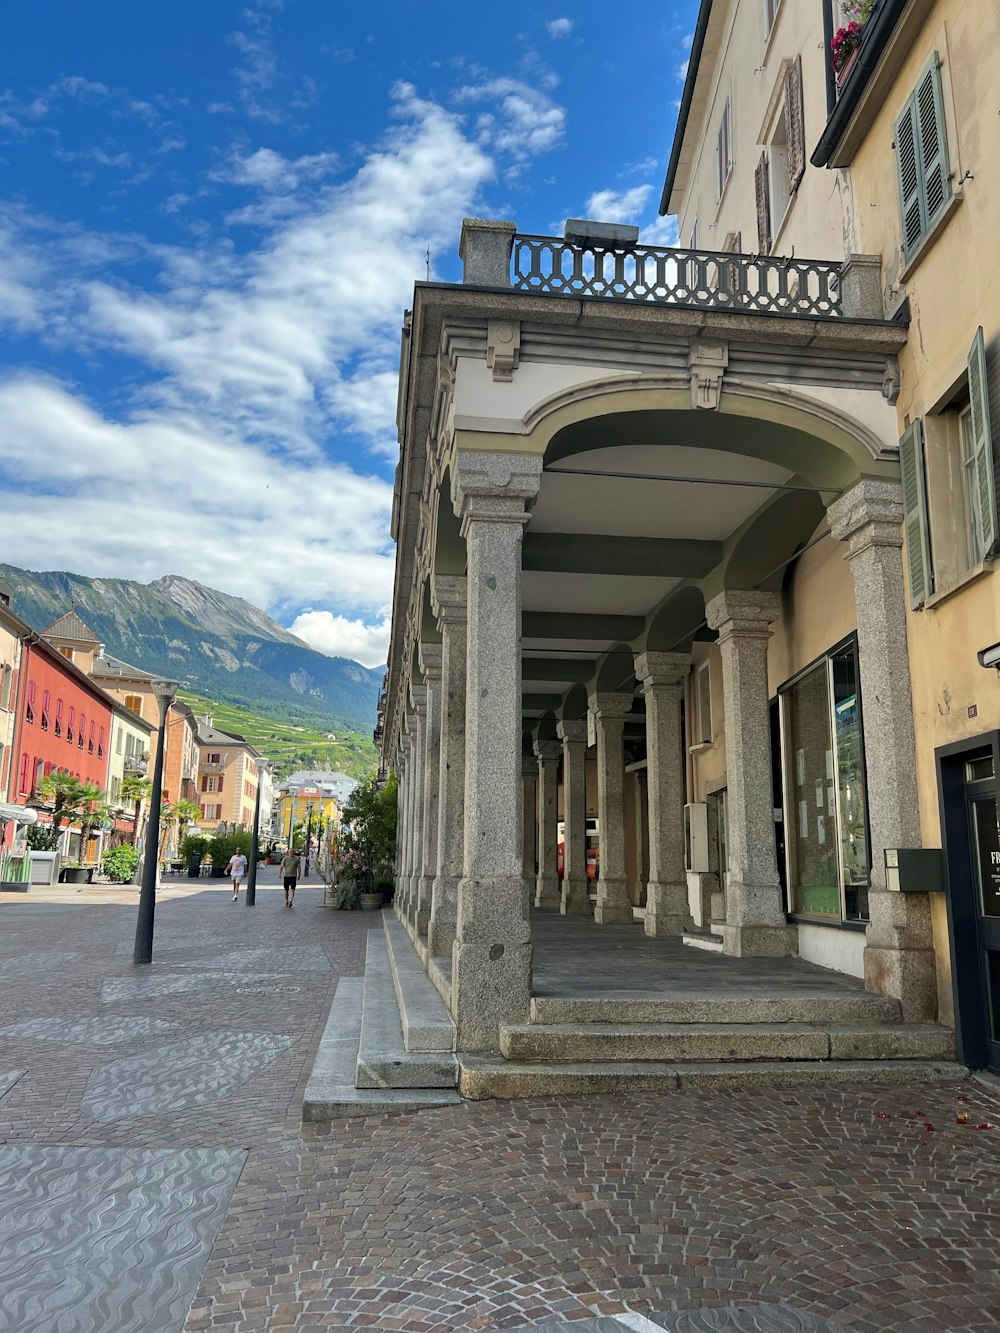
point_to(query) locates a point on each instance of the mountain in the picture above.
(216, 645)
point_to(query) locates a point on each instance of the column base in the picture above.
(491, 961)
(667, 910)
(760, 941)
(547, 892)
(576, 898)
(442, 929)
(908, 975)
(613, 906)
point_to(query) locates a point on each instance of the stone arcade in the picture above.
(621, 468)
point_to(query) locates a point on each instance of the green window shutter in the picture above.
(936, 182)
(911, 199)
(915, 528)
(986, 486)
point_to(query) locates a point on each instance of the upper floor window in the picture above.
(81, 737)
(46, 709)
(71, 724)
(90, 740)
(771, 8)
(100, 743)
(5, 687)
(949, 485)
(922, 159)
(783, 162)
(213, 758)
(58, 729)
(724, 151)
(118, 741)
(134, 703)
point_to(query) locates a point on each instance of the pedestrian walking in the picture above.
(237, 868)
(290, 867)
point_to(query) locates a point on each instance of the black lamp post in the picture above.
(143, 951)
(309, 829)
(255, 841)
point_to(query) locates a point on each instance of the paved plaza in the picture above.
(155, 1176)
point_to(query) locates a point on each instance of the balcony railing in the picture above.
(135, 765)
(700, 279)
(212, 768)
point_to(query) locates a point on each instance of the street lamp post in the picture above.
(143, 951)
(255, 843)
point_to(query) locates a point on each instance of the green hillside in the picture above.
(293, 742)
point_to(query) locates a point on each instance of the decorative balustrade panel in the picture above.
(710, 280)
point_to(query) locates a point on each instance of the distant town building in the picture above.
(228, 772)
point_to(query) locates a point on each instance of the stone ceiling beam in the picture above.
(629, 557)
(571, 625)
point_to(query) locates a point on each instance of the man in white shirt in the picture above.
(237, 868)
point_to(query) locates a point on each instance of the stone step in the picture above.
(331, 1093)
(383, 1060)
(426, 1023)
(844, 1006)
(721, 1042)
(483, 1076)
(709, 942)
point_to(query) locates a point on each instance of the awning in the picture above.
(18, 814)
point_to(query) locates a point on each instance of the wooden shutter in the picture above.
(222, 780)
(915, 530)
(933, 141)
(204, 783)
(762, 188)
(985, 498)
(911, 203)
(795, 124)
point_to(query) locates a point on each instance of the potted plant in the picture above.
(73, 872)
(15, 873)
(846, 41)
(119, 864)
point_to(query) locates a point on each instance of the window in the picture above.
(39, 771)
(724, 151)
(46, 709)
(703, 700)
(67, 653)
(100, 743)
(824, 793)
(922, 159)
(211, 811)
(783, 162)
(771, 8)
(950, 529)
(118, 741)
(81, 736)
(213, 758)
(8, 675)
(71, 724)
(90, 740)
(58, 728)
(210, 784)
(22, 780)
(134, 703)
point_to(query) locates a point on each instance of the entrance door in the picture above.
(984, 836)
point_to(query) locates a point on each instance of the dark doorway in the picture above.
(967, 778)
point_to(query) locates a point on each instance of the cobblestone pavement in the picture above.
(808, 1211)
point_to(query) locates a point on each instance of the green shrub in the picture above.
(191, 843)
(222, 848)
(120, 863)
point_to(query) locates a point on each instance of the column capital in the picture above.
(607, 704)
(869, 514)
(449, 599)
(572, 731)
(430, 660)
(418, 697)
(735, 612)
(548, 751)
(406, 745)
(661, 670)
(494, 488)
(529, 766)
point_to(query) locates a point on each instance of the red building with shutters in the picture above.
(63, 721)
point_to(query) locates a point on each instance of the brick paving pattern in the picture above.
(840, 1207)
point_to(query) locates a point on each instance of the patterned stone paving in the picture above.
(28, 964)
(8, 1077)
(107, 1030)
(853, 1207)
(155, 985)
(306, 958)
(187, 1073)
(95, 1240)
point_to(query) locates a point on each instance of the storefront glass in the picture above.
(825, 820)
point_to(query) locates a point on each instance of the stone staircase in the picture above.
(576, 1044)
(389, 1043)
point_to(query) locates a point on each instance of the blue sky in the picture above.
(211, 218)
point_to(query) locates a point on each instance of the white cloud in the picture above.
(338, 636)
(524, 122)
(662, 231)
(618, 205)
(559, 27)
(268, 170)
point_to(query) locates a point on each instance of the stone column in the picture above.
(756, 924)
(448, 600)
(491, 973)
(613, 903)
(662, 677)
(529, 816)
(575, 887)
(641, 835)
(397, 896)
(406, 821)
(899, 955)
(418, 693)
(548, 753)
(430, 665)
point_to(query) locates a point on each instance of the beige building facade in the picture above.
(228, 773)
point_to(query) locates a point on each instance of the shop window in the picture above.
(825, 804)
(921, 141)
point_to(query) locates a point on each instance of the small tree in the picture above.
(368, 840)
(135, 791)
(71, 800)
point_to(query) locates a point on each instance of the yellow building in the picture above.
(301, 803)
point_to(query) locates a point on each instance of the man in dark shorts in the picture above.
(290, 867)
